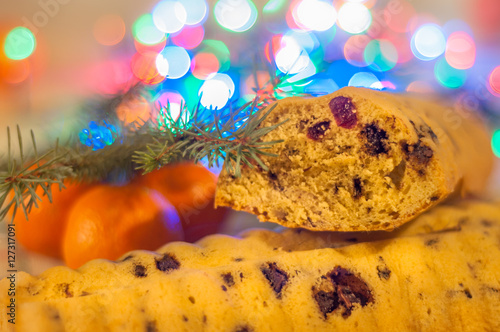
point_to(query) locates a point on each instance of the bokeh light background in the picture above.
(215, 52)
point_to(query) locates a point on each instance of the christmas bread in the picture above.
(440, 272)
(360, 159)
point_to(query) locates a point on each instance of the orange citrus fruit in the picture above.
(191, 190)
(108, 221)
(43, 230)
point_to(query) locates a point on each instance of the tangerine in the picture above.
(191, 190)
(109, 221)
(43, 230)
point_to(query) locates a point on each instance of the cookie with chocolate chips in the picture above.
(438, 273)
(362, 160)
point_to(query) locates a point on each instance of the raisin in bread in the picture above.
(360, 159)
(440, 272)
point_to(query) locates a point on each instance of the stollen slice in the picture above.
(361, 160)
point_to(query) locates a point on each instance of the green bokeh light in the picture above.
(448, 76)
(145, 32)
(19, 44)
(495, 143)
(381, 55)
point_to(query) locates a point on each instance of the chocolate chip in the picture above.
(383, 272)
(418, 153)
(486, 223)
(245, 328)
(317, 131)
(350, 289)
(467, 293)
(52, 313)
(84, 293)
(357, 188)
(184, 318)
(417, 131)
(55, 315)
(192, 300)
(375, 139)
(228, 279)
(276, 277)
(431, 133)
(67, 291)
(224, 288)
(167, 262)
(434, 198)
(431, 242)
(151, 326)
(301, 124)
(423, 153)
(273, 177)
(344, 112)
(327, 301)
(238, 259)
(64, 289)
(140, 271)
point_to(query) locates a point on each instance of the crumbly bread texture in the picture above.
(360, 159)
(440, 272)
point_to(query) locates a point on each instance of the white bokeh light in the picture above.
(235, 15)
(216, 91)
(354, 18)
(365, 80)
(305, 39)
(173, 60)
(315, 15)
(196, 11)
(162, 65)
(291, 58)
(169, 16)
(428, 42)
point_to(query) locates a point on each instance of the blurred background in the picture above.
(60, 56)
(75, 49)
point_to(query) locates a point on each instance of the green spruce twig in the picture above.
(235, 138)
(20, 179)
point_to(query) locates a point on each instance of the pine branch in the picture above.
(20, 180)
(233, 137)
